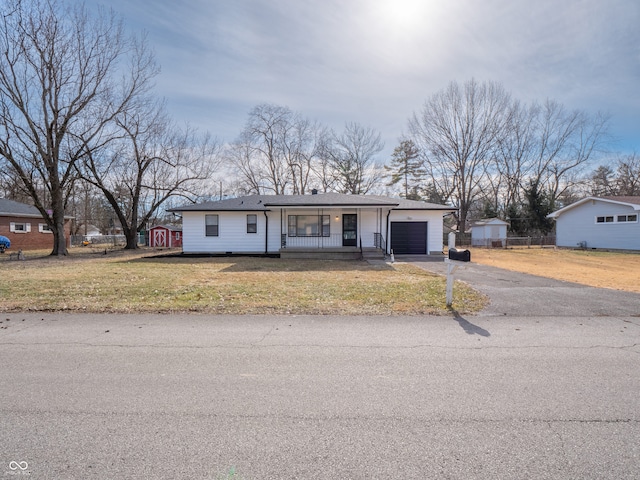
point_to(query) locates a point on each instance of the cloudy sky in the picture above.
(375, 62)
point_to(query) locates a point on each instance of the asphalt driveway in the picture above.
(520, 294)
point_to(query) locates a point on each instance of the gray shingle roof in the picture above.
(634, 200)
(10, 208)
(249, 203)
(263, 202)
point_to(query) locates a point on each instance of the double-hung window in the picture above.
(309, 226)
(252, 223)
(211, 225)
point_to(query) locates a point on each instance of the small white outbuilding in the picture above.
(489, 232)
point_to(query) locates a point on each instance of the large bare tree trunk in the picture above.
(61, 86)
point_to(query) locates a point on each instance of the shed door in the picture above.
(159, 238)
(409, 238)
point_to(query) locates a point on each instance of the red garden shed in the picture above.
(165, 236)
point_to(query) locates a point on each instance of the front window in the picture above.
(19, 227)
(44, 228)
(211, 225)
(309, 225)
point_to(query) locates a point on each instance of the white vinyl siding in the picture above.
(232, 233)
(233, 236)
(597, 223)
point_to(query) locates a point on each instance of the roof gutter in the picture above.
(388, 246)
(266, 233)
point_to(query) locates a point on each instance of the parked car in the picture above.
(4, 243)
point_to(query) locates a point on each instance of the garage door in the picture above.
(409, 238)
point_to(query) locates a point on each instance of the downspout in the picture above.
(266, 233)
(388, 241)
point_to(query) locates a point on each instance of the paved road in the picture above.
(188, 396)
(519, 294)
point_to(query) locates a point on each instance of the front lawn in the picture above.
(138, 282)
(617, 270)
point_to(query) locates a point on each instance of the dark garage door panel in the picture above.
(409, 238)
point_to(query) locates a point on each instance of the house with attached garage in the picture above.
(329, 225)
(599, 222)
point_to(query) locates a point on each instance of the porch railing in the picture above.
(332, 241)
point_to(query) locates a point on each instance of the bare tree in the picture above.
(458, 130)
(352, 157)
(61, 79)
(565, 142)
(239, 159)
(628, 175)
(304, 153)
(279, 151)
(146, 161)
(513, 156)
(260, 153)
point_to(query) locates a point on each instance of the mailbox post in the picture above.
(454, 259)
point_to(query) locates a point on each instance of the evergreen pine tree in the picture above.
(539, 205)
(406, 168)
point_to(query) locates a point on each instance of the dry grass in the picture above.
(620, 271)
(135, 282)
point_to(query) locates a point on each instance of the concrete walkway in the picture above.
(520, 294)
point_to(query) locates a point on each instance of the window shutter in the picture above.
(12, 227)
(28, 225)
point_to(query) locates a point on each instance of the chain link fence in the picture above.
(465, 240)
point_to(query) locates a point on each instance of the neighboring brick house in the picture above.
(25, 227)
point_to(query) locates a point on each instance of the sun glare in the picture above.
(407, 14)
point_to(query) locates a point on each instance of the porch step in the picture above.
(372, 253)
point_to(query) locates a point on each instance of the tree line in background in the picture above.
(472, 146)
(281, 152)
(83, 134)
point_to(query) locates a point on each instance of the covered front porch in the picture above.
(330, 233)
(330, 248)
